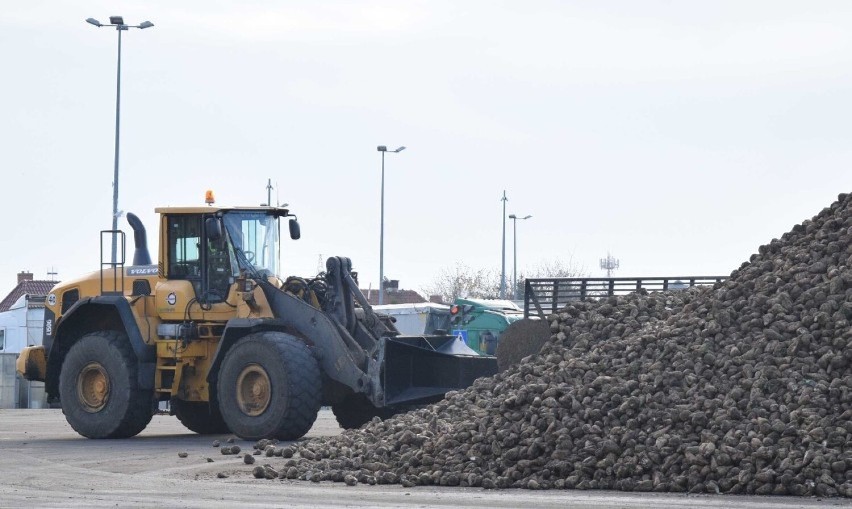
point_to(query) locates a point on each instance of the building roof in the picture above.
(28, 287)
(394, 297)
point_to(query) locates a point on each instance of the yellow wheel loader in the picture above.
(231, 345)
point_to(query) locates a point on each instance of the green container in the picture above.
(481, 321)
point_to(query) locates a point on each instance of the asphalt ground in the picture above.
(44, 463)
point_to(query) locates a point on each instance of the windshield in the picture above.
(254, 236)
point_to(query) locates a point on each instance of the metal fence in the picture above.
(15, 392)
(546, 296)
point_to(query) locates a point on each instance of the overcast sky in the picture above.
(679, 136)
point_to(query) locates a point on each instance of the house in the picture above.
(393, 295)
(21, 325)
(22, 314)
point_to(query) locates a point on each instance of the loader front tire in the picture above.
(269, 386)
(198, 416)
(99, 390)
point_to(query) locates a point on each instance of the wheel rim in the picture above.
(254, 390)
(93, 387)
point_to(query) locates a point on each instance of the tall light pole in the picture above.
(503, 270)
(118, 23)
(383, 149)
(514, 219)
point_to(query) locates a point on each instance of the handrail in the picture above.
(543, 296)
(114, 266)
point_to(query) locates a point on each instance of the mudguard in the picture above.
(105, 312)
(32, 363)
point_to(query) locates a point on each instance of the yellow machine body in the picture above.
(212, 329)
(181, 366)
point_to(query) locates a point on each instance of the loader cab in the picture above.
(196, 254)
(211, 248)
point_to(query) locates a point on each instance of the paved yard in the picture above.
(46, 464)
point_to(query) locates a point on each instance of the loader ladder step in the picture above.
(164, 378)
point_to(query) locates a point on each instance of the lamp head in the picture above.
(400, 149)
(116, 20)
(382, 148)
(145, 24)
(512, 216)
(93, 21)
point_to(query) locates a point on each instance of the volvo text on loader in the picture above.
(231, 345)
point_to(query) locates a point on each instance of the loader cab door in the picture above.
(197, 256)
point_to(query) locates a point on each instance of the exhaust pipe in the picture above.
(140, 239)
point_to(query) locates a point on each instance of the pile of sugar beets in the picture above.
(744, 387)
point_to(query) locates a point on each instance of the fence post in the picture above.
(555, 295)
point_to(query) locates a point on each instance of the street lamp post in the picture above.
(383, 149)
(514, 219)
(503, 264)
(120, 26)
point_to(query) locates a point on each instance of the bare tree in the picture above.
(550, 269)
(461, 280)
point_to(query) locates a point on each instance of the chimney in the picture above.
(24, 276)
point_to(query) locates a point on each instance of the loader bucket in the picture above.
(421, 369)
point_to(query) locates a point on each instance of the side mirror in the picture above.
(213, 228)
(295, 231)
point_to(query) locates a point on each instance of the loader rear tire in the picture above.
(99, 389)
(269, 386)
(355, 410)
(199, 417)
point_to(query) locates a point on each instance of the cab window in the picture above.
(184, 247)
(206, 263)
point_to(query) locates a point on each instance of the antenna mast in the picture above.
(609, 264)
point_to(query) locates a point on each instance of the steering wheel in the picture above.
(249, 256)
(184, 269)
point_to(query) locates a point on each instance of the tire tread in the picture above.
(304, 384)
(140, 402)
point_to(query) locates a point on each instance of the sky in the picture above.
(677, 136)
